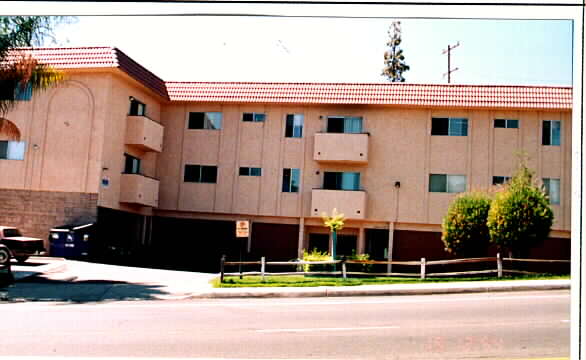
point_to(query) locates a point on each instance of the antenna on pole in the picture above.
(448, 51)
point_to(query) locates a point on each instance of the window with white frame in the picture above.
(341, 180)
(131, 164)
(344, 124)
(137, 108)
(500, 180)
(551, 132)
(506, 123)
(291, 180)
(449, 126)
(253, 117)
(447, 183)
(250, 171)
(200, 173)
(12, 150)
(205, 120)
(294, 126)
(552, 189)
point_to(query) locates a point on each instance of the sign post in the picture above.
(242, 231)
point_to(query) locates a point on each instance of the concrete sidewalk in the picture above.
(54, 279)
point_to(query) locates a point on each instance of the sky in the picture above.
(322, 49)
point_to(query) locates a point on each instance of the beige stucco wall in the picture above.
(400, 148)
(120, 89)
(75, 136)
(63, 129)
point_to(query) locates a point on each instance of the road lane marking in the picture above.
(327, 329)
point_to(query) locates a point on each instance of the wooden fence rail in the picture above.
(422, 264)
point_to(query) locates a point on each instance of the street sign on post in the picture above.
(242, 228)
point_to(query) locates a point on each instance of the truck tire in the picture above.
(4, 255)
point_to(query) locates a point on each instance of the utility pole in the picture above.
(448, 51)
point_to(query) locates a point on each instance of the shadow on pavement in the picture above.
(41, 289)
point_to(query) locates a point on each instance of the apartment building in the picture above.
(169, 166)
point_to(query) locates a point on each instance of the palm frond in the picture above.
(19, 71)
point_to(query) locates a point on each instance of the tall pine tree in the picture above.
(395, 64)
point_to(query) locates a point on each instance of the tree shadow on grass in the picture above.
(90, 291)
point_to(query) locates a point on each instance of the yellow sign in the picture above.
(242, 228)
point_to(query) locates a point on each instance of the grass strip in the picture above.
(312, 281)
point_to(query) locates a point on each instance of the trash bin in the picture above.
(72, 241)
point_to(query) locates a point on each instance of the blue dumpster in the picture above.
(73, 241)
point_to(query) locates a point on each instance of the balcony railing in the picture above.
(144, 133)
(341, 148)
(351, 203)
(139, 189)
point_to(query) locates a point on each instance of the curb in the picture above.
(387, 291)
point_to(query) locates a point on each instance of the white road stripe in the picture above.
(326, 329)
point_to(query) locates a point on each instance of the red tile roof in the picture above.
(98, 57)
(462, 96)
(466, 96)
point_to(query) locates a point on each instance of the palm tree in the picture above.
(20, 72)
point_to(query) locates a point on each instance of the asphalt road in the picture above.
(521, 325)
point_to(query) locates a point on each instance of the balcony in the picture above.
(144, 133)
(139, 189)
(351, 203)
(341, 148)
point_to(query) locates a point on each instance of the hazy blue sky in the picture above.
(531, 52)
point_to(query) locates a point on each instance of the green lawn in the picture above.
(308, 281)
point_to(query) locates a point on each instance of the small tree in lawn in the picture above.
(520, 216)
(334, 223)
(394, 59)
(464, 229)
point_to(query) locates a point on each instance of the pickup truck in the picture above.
(20, 247)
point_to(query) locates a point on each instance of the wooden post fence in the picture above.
(262, 268)
(499, 265)
(344, 267)
(422, 269)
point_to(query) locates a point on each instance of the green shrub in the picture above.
(360, 257)
(464, 229)
(316, 255)
(520, 216)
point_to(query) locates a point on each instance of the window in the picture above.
(294, 125)
(205, 120)
(344, 124)
(449, 126)
(342, 180)
(253, 117)
(250, 171)
(11, 90)
(131, 164)
(136, 108)
(291, 180)
(200, 174)
(12, 150)
(551, 132)
(499, 180)
(506, 123)
(552, 189)
(23, 93)
(447, 183)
